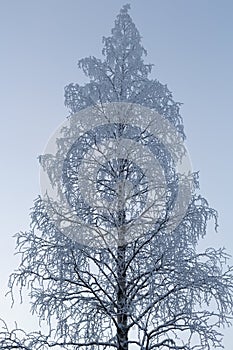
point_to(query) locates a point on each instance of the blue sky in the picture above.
(190, 44)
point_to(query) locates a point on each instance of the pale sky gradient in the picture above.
(191, 45)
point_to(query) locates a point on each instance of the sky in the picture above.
(190, 45)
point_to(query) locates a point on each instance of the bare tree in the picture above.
(111, 259)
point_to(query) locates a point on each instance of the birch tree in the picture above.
(112, 259)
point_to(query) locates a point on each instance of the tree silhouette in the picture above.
(111, 259)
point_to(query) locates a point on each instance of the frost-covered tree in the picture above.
(139, 285)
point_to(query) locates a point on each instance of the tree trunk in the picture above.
(122, 331)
